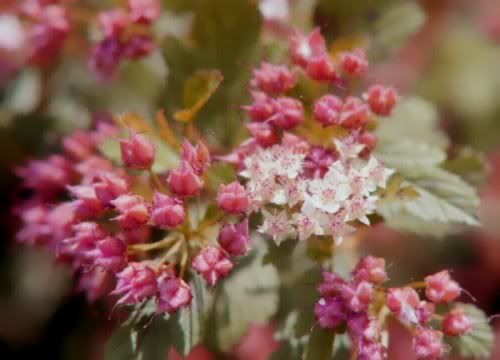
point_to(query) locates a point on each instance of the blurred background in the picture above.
(446, 51)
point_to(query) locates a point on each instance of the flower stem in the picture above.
(162, 244)
(156, 180)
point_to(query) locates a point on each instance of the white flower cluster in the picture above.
(321, 206)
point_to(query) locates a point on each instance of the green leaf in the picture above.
(320, 346)
(469, 164)
(292, 346)
(479, 341)
(249, 294)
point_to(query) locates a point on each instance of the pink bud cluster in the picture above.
(126, 35)
(347, 302)
(352, 303)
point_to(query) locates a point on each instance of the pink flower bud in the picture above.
(370, 350)
(362, 327)
(358, 296)
(135, 236)
(289, 113)
(167, 212)
(327, 110)
(330, 312)
(35, 228)
(197, 156)
(108, 254)
(370, 269)
(234, 238)
(112, 22)
(263, 133)
(295, 142)
(273, 79)
(332, 284)
(403, 302)
(91, 166)
(317, 162)
(354, 113)
(79, 145)
(46, 176)
(173, 294)
(369, 140)
(212, 264)
(133, 211)
(87, 206)
(61, 219)
(428, 344)
(105, 57)
(137, 151)
(84, 239)
(144, 11)
(354, 63)
(138, 46)
(381, 99)
(263, 106)
(95, 283)
(303, 48)
(135, 283)
(108, 186)
(424, 312)
(456, 322)
(233, 198)
(440, 288)
(320, 68)
(183, 181)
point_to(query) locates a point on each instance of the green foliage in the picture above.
(478, 342)
(320, 345)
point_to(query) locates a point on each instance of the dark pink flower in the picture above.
(264, 133)
(113, 22)
(135, 236)
(87, 205)
(105, 57)
(456, 322)
(304, 47)
(79, 145)
(320, 68)
(144, 11)
(361, 327)
(184, 181)
(330, 312)
(212, 264)
(197, 156)
(233, 198)
(133, 211)
(84, 239)
(357, 296)
(332, 284)
(95, 283)
(327, 110)
(234, 238)
(167, 212)
(263, 106)
(370, 350)
(440, 288)
(289, 113)
(138, 46)
(137, 151)
(403, 302)
(109, 185)
(173, 294)
(354, 63)
(109, 254)
(424, 312)
(428, 344)
(371, 269)
(135, 283)
(35, 228)
(381, 99)
(273, 79)
(354, 113)
(318, 160)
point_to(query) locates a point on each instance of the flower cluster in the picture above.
(302, 187)
(359, 303)
(126, 35)
(104, 227)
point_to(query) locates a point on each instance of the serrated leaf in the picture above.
(320, 345)
(197, 90)
(249, 294)
(479, 341)
(469, 164)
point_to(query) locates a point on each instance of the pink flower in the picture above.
(327, 110)
(133, 211)
(361, 327)
(138, 46)
(381, 99)
(370, 269)
(424, 312)
(332, 284)
(184, 181)
(84, 239)
(273, 79)
(137, 151)
(354, 63)
(89, 167)
(105, 57)
(108, 254)
(320, 68)
(263, 106)
(263, 133)
(173, 294)
(197, 156)
(289, 113)
(79, 145)
(354, 113)
(135, 283)
(369, 350)
(112, 22)
(304, 47)
(135, 236)
(428, 344)
(358, 296)
(212, 264)
(440, 288)
(403, 302)
(456, 322)
(233, 198)
(167, 212)
(35, 228)
(144, 11)
(87, 206)
(95, 283)
(330, 312)
(318, 160)
(234, 238)
(109, 185)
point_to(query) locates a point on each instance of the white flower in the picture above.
(359, 183)
(348, 147)
(329, 193)
(306, 226)
(358, 207)
(337, 227)
(291, 192)
(12, 34)
(377, 173)
(276, 225)
(288, 162)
